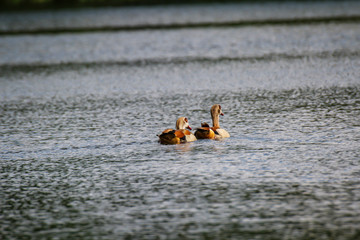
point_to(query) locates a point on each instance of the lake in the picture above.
(84, 93)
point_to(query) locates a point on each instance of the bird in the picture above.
(215, 132)
(179, 135)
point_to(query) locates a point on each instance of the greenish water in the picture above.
(79, 115)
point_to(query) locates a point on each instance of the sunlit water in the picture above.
(79, 151)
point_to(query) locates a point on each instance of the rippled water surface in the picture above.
(79, 115)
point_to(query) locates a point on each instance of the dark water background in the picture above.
(79, 114)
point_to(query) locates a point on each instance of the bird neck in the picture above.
(215, 120)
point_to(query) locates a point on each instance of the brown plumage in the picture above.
(215, 132)
(205, 133)
(180, 135)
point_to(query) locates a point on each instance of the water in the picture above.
(172, 15)
(79, 114)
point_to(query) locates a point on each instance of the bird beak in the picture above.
(189, 127)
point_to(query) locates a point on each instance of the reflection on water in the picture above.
(178, 15)
(127, 47)
(169, 80)
(92, 166)
(80, 159)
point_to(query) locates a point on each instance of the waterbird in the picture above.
(180, 135)
(215, 132)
